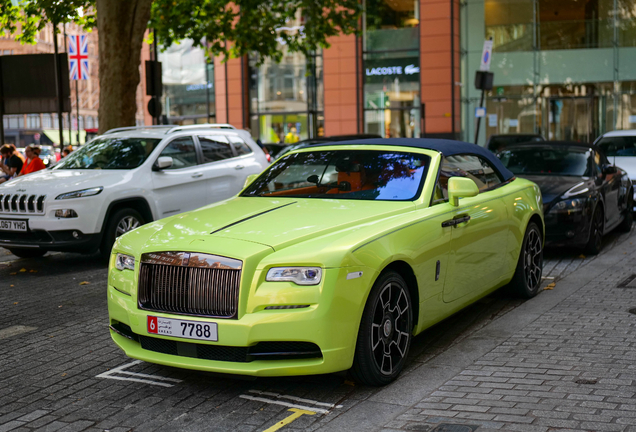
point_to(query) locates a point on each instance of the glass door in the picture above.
(570, 119)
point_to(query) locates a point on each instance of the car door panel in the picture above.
(181, 187)
(478, 246)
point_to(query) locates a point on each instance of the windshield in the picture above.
(568, 161)
(344, 174)
(110, 153)
(618, 146)
(498, 143)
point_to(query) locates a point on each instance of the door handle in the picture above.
(197, 175)
(239, 167)
(455, 221)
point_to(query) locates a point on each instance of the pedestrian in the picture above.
(33, 162)
(11, 164)
(292, 137)
(67, 151)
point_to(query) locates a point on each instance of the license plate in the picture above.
(13, 225)
(183, 328)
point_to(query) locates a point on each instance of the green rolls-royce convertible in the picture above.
(331, 259)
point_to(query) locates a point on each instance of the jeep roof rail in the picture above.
(127, 128)
(201, 126)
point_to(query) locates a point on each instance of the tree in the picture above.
(228, 29)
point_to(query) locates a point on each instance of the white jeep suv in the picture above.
(121, 180)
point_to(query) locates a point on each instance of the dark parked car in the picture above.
(497, 143)
(322, 140)
(584, 196)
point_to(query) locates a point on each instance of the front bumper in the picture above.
(63, 240)
(562, 229)
(331, 325)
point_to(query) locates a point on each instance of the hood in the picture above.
(276, 223)
(49, 181)
(553, 187)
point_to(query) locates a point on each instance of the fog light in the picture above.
(76, 234)
(66, 213)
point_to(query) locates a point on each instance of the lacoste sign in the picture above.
(388, 69)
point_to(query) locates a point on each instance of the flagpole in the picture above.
(77, 116)
(70, 134)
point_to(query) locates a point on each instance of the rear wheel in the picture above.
(595, 243)
(118, 224)
(27, 253)
(385, 332)
(527, 278)
(628, 217)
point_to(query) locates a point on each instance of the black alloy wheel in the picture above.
(385, 332)
(527, 278)
(595, 243)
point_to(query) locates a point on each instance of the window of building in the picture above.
(46, 121)
(89, 122)
(33, 121)
(215, 148)
(182, 152)
(392, 69)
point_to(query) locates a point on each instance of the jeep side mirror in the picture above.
(163, 162)
(461, 187)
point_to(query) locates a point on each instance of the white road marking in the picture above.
(278, 396)
(289, 405)
(141, 377)
(294, 398)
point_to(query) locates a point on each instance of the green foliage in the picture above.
(28, 17)
(254, 26)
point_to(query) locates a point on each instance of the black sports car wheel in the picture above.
(385, 332)
(527, 277)
(595, 243)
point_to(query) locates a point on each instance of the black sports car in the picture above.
(584, 196)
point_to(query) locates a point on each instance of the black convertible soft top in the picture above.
(445, 147)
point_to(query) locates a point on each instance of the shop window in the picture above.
(391, 24)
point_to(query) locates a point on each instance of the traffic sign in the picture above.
(480, 112)
(486, 56)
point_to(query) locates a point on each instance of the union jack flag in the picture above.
(78, 56)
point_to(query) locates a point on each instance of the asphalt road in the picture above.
(59, 369)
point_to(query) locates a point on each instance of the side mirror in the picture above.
(163, 162)
(249, 179)
(461, 187)
(609, 169)
(313, 179)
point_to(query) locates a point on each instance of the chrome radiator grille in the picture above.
(22, 203)
(189, 284)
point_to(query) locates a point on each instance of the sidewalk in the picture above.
(565, 360)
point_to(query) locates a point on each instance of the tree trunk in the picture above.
(121, 25)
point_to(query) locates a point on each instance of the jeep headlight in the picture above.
(80, 193)
(297, 275)
(124, 262)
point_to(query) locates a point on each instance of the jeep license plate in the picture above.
(13, 225)
(183, 328)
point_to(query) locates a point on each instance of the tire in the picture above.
(628, 217)
(28, 253)
(527, 278)
(387, 326)
(119, 223)
(595, 243)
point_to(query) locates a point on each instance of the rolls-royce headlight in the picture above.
(574, 205)
(297, 275)
(124, 262)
